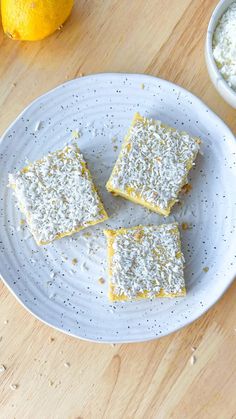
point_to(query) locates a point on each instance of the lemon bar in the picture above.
(57, 195)
(144, 262)
(153, 164)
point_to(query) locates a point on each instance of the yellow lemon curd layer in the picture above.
(112, 295)
(129, 192)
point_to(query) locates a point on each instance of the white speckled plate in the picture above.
(69, 297)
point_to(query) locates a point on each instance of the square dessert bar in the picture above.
(153, 164)
(57, 195)
(145, 262)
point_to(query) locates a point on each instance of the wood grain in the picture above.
(149, 380)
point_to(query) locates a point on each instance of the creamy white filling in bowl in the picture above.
(220, 50)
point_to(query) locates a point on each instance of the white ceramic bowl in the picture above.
(221, 85)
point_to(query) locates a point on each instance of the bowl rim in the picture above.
(219, 10)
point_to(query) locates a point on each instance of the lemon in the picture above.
(32, 20)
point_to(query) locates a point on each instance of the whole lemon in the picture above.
(32, 20)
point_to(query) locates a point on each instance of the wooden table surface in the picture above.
(148, 380)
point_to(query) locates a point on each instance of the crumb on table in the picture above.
(193, 360)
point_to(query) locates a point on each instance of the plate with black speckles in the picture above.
(64, 284)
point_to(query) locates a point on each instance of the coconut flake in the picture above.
(147, 259)
(154, 162)
(57, 195)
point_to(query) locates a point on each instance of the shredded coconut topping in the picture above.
(147, 259)
(154, 162)
(57, 194)
(224, 45)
